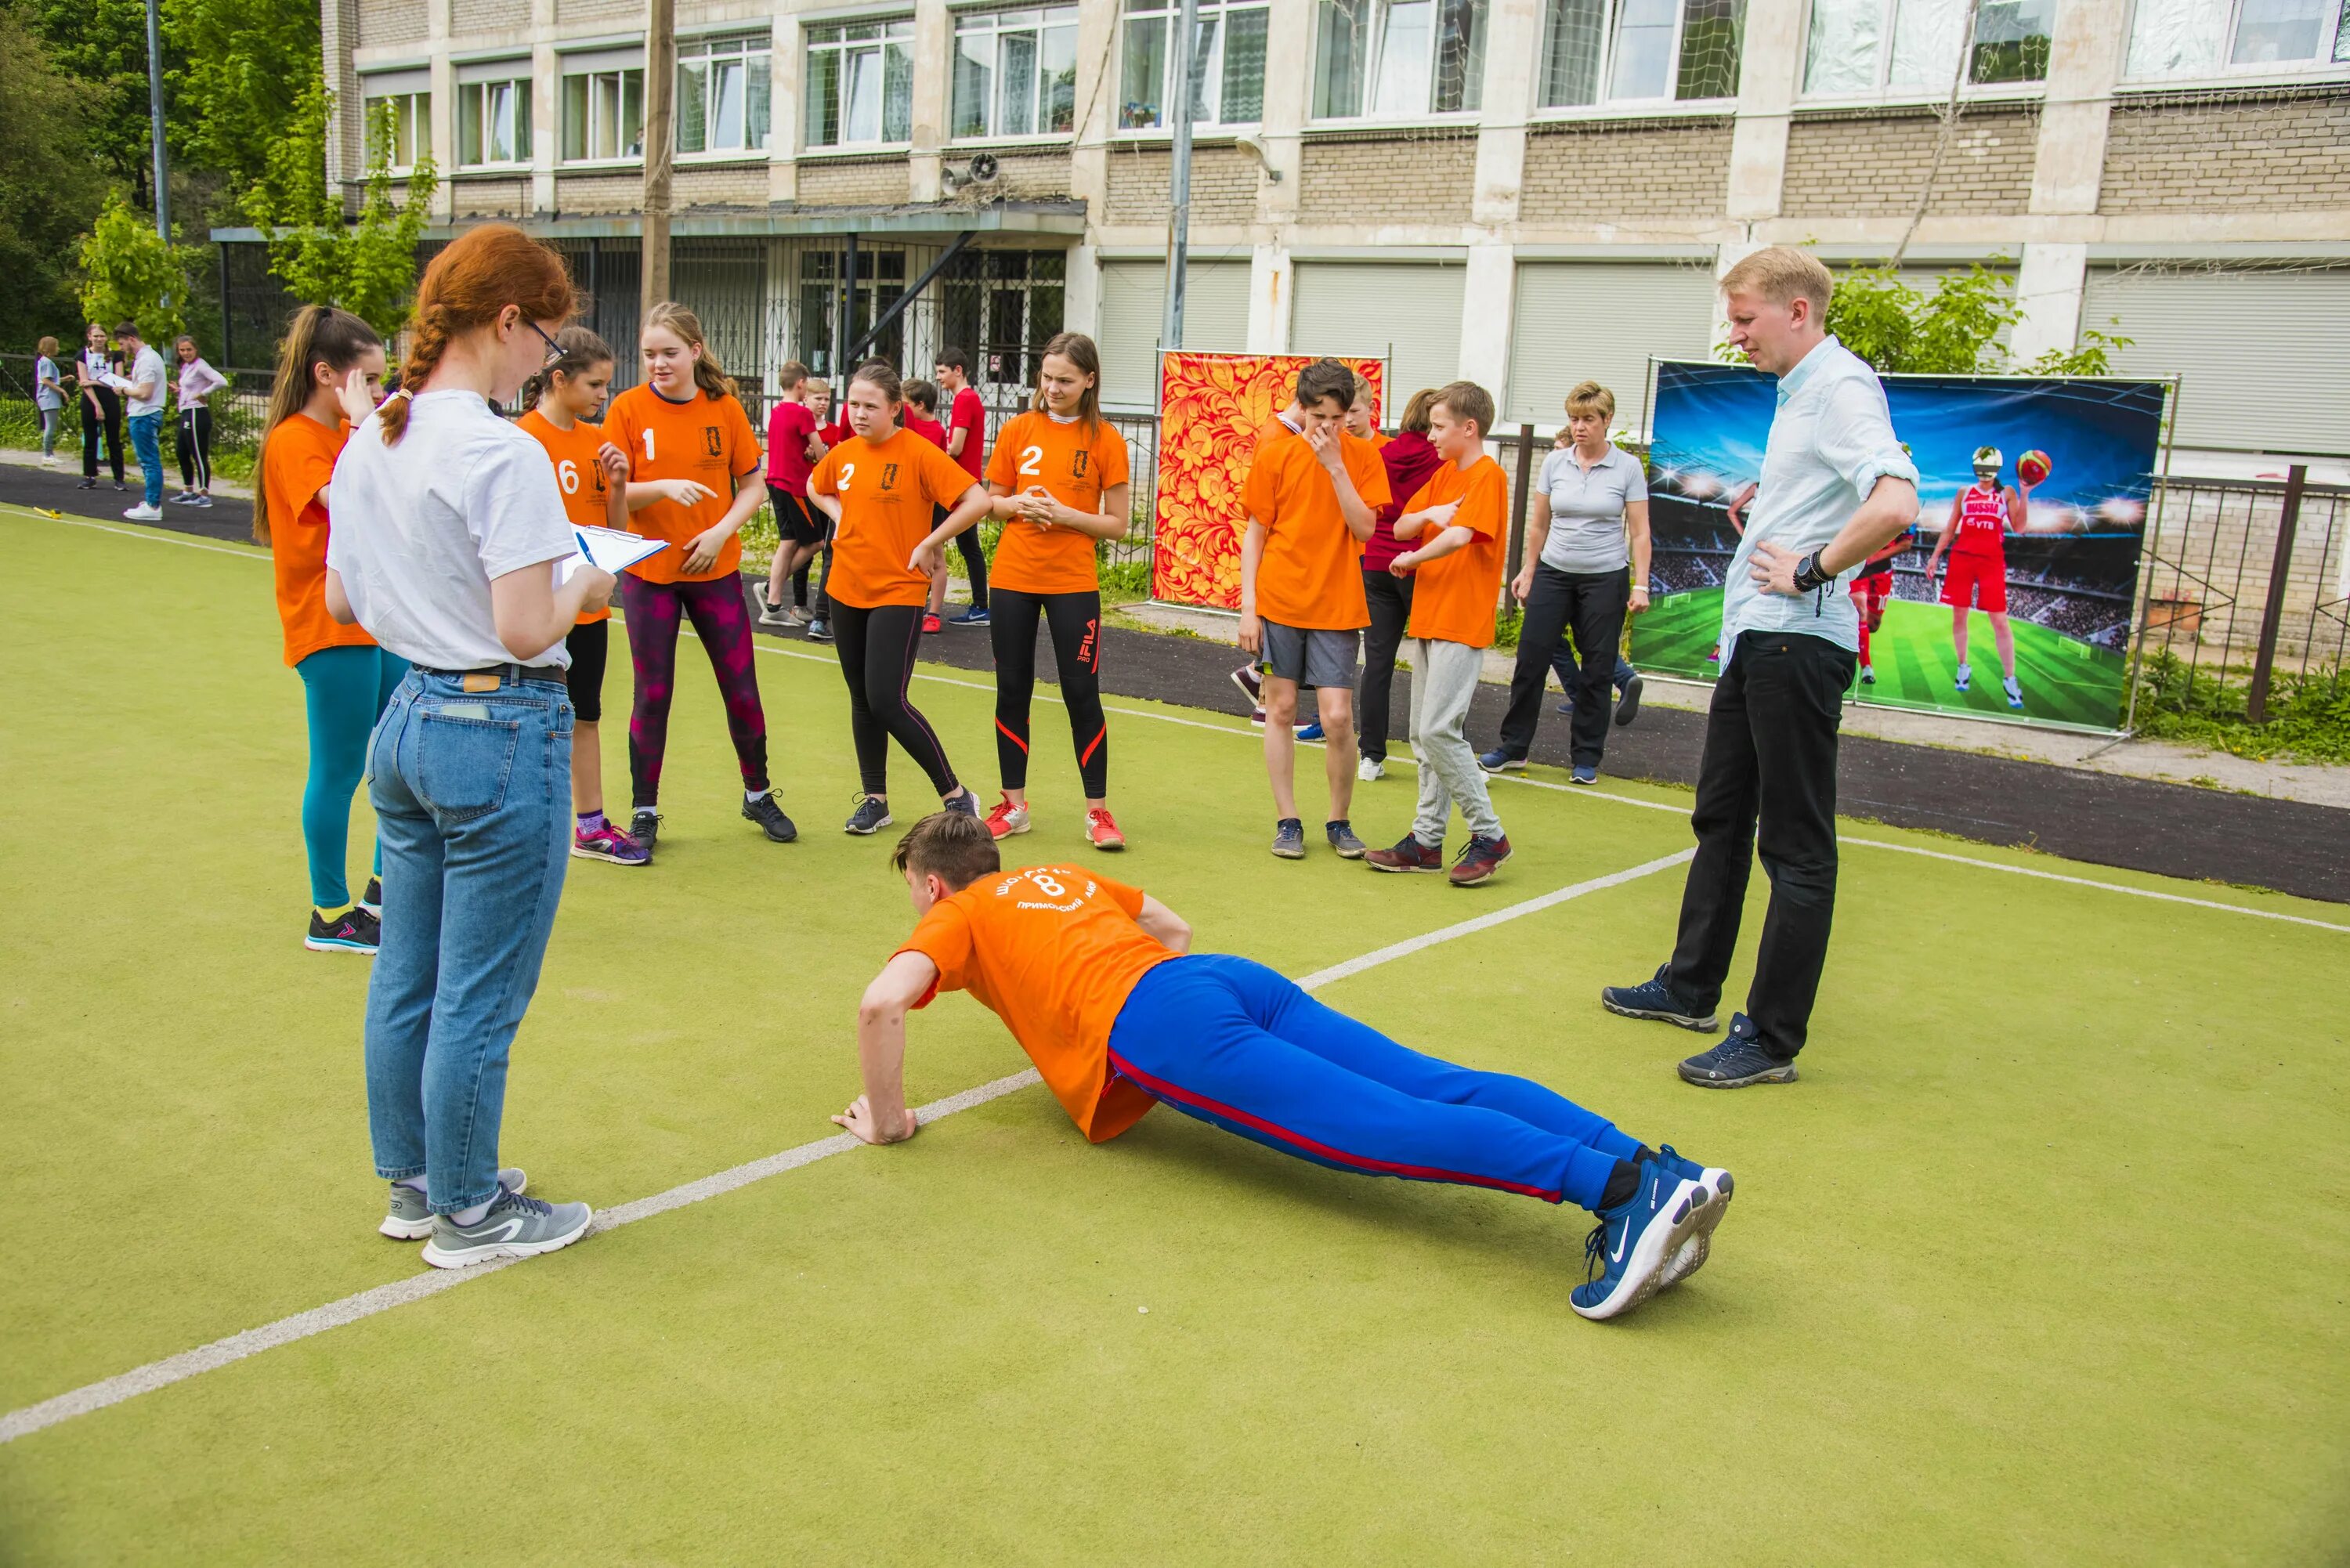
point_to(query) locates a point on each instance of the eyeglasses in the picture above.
(554, 349)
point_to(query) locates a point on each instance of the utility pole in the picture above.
(660, 144)
(155, 117)
(1179, 183)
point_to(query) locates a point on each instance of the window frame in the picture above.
(478, 90)
(1607, 107)
(2319, 67)
(590, 74)
(420, 120)
(756, 49)
(1166, 12)
(1886, 92)
(1476, 88)
(897, 29)
(1045, 12)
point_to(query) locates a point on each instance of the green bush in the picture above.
(2309, 716)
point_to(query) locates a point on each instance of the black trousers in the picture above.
(1075, 622)
(1591, 606)
(877, 658)
(196, 451)
(1770, 757)
(975, 562)
(109, 416)
(1389, 597)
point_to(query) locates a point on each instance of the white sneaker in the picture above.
(143, 514)
(1966, 675)
(1371, 769)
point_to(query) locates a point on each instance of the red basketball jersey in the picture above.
(1983, 523)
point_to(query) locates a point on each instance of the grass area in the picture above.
(1997, 1288)
(2308, 715)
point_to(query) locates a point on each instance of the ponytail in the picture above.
(708, 374)
(582, 352)
(318, 335)
(473, 279)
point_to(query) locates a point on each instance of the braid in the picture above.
(468, 286)
(426, 340)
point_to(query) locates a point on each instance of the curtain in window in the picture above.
(1015, 113)
(1460, 56)
(1925, 44)
(1840, 54)
(2176, 37)
(693, 106)
(974, 81)
(897, 92)
(1243, 76)
(1143, 71)
(758, 99)
(1570, 69)
(1339, 46)
(2277, 31)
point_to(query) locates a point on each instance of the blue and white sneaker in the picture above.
(1585, 774)
(1498, 760)
(1739, 1060)
(1718, 1185)
(1625, 1254)
(1966, 676)
(1289, 838)
(969, 617)
(1655, 998)
(870, 817)
(2015, 691)
(1310, 731)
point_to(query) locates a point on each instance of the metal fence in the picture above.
(239, 412)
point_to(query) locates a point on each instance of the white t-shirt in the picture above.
(145, 368)
(422, 527)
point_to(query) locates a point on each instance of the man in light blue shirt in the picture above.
(1836, 486)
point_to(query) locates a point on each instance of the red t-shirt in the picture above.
(929, 430)
(789, 425)
(969, 413)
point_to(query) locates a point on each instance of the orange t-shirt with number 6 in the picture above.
(886, 491)
(1076, 465)
(587, 497)
(707, 440)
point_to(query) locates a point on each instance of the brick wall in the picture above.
(1223, 186)
(741, 185)
(624, 11)
(499, 198)
(392, 22)
(1021, 176)
(473, 18)
(2252, 150)
(1388, 179)
(1872, 163)
(1654, 169)
(852, 183)
(584, 193)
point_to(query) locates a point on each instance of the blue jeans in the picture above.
(147, 441)
(472, 804)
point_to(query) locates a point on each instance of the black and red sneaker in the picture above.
(1480, 860)
(1409, 855)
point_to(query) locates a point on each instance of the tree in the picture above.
(368, 268)
(129, 273)
(102, 44)
(49, 189)
(229, 63)
(1953, 331)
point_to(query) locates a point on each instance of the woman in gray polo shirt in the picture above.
(1586, 567)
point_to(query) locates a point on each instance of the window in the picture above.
(1227, 64)
(860, 83)
(1002, 307)
(406, 117)
(1391, 58)
(1914, 46)
(493, 120)
(823, 273)
(723, 90)
(1636, 51)
(603, 113)
(2205, 38)
(1015, 72)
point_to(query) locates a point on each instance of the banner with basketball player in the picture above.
(1212, 410)
(2012, 596)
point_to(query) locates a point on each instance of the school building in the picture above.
(1526, 192)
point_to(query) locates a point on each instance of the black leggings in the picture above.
(1074, 621)
(877, 658)
(975, 562)
(108, 417)
(196, 448)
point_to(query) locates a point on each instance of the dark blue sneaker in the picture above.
(1585, 774)
(1498, 760)
(1738, 1061)
(1628, 701)
(974, 616)
(1341, 835)
(1289, 838)
(1719, 1186)
(1625, 1254)
(1310, 731)
(966, 803)
(1655, 998)
(870, 816)
(769, 818)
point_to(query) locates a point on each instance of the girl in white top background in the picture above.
(193, 381)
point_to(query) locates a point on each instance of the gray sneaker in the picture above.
(409, 1219)
(1289, 838)
(1341, 835)
(515, 1227)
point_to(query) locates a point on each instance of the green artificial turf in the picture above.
(2042, 1261)
(2065, 681)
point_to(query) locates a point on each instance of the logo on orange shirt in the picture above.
(713, 441)
(888, 476)
(1077, 468)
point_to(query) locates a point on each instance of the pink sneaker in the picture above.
(609, 843)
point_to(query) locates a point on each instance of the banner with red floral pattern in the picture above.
(1212, 410)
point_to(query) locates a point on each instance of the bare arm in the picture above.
(1537, 537)
(1408, 525)
(339, 600)
(929, 557)
(1252, 556)
(750, 494)
(532, 614)
(879, 1114)
(1166, 928)
(1950, 532)
(616, 485)
(1454, 537)
(1636, 521)
(643, 493)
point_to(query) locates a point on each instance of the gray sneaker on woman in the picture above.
(409, 1220)
(515, 1227)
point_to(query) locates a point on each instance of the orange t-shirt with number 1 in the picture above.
(707, 439)
(886, 491)
(586, 498)
(1075, 466)
(1453, 598)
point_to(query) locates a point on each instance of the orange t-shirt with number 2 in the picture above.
(587, 497)
(886, 491)
(707, 439)
(1076, 465)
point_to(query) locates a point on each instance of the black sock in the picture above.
(1645, 1155)
(1621, 1185)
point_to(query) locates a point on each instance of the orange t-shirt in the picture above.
(1379, 440)
(586, 498)
(1054, 952)
(709, 439)
(1454, 596)
(298, 462)
(1311, 573)
(1034, 450)
(886, 491)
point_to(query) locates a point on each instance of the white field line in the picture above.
(1584, 792)
(153, 538)
(367, 1303)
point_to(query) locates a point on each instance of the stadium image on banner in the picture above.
(1212, 410)
(2013, 595)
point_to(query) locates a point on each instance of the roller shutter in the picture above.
(1409, 312)
(1600, 321)
(1133, 302)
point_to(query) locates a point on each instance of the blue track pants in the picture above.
(343, 689)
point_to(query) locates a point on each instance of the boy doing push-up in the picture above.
(1097, 982)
